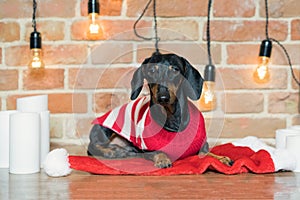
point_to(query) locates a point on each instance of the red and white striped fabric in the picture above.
(133, 121)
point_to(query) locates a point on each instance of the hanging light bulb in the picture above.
(94, 29)
(261, 73)
(207, 100)
(36, 61)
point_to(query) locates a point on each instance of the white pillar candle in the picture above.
(293, 146)
(45, 135)
(4, 137)
(24, 147)
(281, 135)
(296, 127)
(33, 103)
(38, 104)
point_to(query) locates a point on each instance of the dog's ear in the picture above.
(137, 81)
(194, 81)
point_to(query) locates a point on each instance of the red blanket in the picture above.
(245, 160)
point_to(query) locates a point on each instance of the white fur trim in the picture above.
(282, 159)
(57, 163)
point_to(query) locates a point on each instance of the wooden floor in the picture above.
(81, 185)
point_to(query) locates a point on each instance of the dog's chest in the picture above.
(175, 144)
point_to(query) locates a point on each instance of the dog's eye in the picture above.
(151, 70)
(174, 69)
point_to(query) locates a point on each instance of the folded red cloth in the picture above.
(245, 160)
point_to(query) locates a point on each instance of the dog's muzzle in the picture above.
(163, 95)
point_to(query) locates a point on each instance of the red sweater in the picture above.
(133, 121)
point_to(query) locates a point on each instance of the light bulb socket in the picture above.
(209, 73)
(265, 48)
(93, 6)
(35, 40)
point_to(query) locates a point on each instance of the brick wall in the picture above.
(84, 78)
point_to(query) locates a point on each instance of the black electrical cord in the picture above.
(209, 70)
(35, 37)
(33, 15)
(208, 32)
(267, 19)
(155, 25)
(276, 41)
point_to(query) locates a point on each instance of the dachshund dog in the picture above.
(166, 127)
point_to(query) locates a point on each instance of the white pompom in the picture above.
(57, 164)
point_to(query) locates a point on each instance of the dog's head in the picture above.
(168, 76)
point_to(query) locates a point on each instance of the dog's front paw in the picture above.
(161, 160)
(226, 160)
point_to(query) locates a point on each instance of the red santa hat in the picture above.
(249, 154)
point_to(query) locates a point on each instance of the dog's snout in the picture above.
(163, 99)
(163, 95)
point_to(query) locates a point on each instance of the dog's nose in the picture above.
(163, 95)
(163, 99)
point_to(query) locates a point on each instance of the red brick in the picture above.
(295, 35)
(67, 103)
(84, 126)
(234, 8)
(91, 78)
(65, 54)
(195, 53)
(178, 30)
(10, 31)
(244, 126)
(52, 54)
(48, 79)
(17, 55)
(248, 54)
(9, 80)
(50, 30)
(56, 127)
(297, 76)
(243, 103)
(278, 57)
(56, 8)
(280, 8)
(15, 9)
(107, 7)
(107, 53)
(166, 8)
(246, 30)
(103, 102)
(112, 29)
(296, 120)
(283, 102)
(243, 79)
(242, 53)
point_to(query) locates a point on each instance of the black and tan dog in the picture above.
(171, 80)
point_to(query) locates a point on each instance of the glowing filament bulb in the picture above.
(94, 28)
(36, 61)
(261, 73)
(208, 100)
